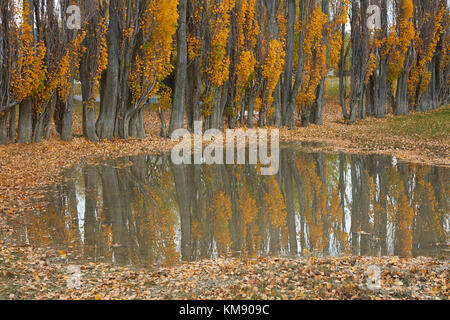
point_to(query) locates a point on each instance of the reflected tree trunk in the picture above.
(90, 210)
(288, 168)
(112, 210)
(381, 215)
(182, 186)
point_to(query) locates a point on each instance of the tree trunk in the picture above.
(25, 121)
(177, 116)
(67, 114)
(38, 127)
(137, 128)
(220, 97)
(89, 123)
(342, 72)
(402, 96)
(380, 78)
(12, 125)
(4, 117)
(197, 110)
(125, 111)
(86, 91)
(319, 104)
(162, 118)
(271, 8)
(371, 96)
(190, 92)
(242, 113)
(428, 100)
(381, 98)
(251, 111)
(262, 112)
(288, 64)
(106, 123)
(289, 116)
(360, 53)
(306, 116)
(277, 117)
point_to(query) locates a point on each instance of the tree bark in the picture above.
(25, 121)
(66, 117)
(137, 128)
(12, 125)
(319, 104)
(251, 101)
(360, 52)
(4, 117)
(182, 190)
(288, 64)
(342, 74)
(289, 117)
(273, 34)
(86, 92)
(402, 96)
(106, 123)
(162, 118)
(178, 105)
(381, 94)
(289, 165)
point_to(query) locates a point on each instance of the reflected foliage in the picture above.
(147, 212)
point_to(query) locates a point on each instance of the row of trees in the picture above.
(235, 62)
(403, 65)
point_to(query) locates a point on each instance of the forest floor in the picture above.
(35, 273)
(26, 169)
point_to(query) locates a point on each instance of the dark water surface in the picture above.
(145, 211)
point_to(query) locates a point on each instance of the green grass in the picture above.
(332, 88)
(77, 89)
(431, 125)
(77, 107)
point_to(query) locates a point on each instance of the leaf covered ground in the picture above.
(33, 273)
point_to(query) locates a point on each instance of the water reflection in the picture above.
(146, 211)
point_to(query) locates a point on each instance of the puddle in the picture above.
(145, 211)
